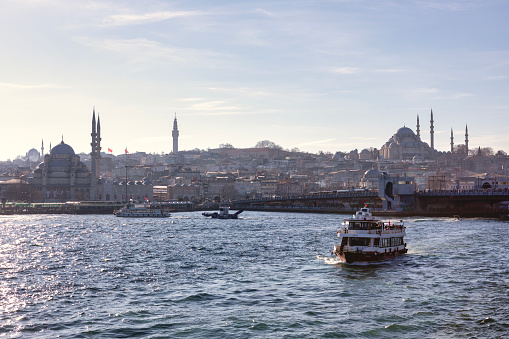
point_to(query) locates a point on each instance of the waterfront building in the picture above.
(183, 192)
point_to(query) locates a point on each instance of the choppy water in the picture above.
(267, 275)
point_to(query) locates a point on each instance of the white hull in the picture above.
(131, 211)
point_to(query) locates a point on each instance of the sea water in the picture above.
(266, 275)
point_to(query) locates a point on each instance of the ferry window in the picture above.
(359, 241)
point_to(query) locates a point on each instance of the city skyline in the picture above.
(326, 76)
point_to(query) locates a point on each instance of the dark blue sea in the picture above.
(267, 275)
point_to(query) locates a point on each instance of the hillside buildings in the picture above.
(231, 173)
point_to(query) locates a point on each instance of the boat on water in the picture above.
(141, 211)
(364, 238)
(224, 213)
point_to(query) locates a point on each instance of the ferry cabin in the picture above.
(371, 235)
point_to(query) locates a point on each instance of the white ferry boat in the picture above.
(366, 239)
(224, 213)
(141, 211)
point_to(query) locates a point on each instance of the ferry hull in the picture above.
(141, 216)
(367, 257)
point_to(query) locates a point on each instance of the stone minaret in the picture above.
(175, 135)
(431, 132)
(432, 143)
(93, 160)
(42, 149)
(418, 128)
(98, 145)
(466, 140)
(452, 142)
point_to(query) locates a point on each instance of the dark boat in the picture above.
(224, 213)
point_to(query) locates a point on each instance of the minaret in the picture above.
(466, 140)
(42, 149)
(432, 144)
(452, 142)
(98, 144)
(175, 135)
(418, 128)
(93, 156)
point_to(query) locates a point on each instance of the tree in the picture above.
(226, 145)
(460, 149)
(229, 192)
(486, 151)
(268, 144)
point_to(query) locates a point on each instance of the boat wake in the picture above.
(329, 260)
(335, 261)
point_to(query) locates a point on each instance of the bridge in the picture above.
(437, 203)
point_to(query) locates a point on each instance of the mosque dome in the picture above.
(62, 148)
(405, 131)
(33, 155)
(372, 173)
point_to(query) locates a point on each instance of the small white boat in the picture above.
(366, 239)
(141, 211)
(224, 213)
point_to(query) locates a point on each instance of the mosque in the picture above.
(62, 176)
(406, 145)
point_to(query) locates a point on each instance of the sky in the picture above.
(325, 76)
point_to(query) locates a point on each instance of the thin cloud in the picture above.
(139, 19)
(192, 99)
(264, 12)
(426, 90)
(141, 50)
(389, 70)
(346, 70)
(453, 6)
(496, 77)
(461, 95)
(25, 86)
(317, 142)
(243, 91)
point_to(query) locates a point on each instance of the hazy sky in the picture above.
(316, 75)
